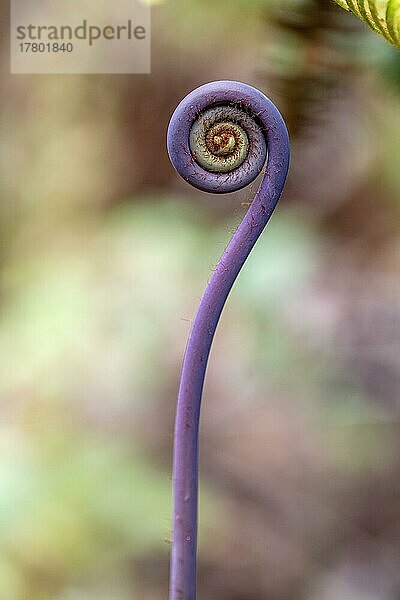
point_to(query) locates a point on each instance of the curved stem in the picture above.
(185, 464)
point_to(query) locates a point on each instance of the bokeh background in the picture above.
(104, 255)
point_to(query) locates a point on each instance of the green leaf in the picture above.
(383, 16)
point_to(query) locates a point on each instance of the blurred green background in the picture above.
(104, 255)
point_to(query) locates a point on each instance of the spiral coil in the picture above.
(219, 138)
(238, 108)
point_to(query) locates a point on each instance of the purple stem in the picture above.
(185, 465)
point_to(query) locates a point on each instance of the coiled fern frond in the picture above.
(383, 16)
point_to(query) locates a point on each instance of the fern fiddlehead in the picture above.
(218, 140)
(383, 16)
